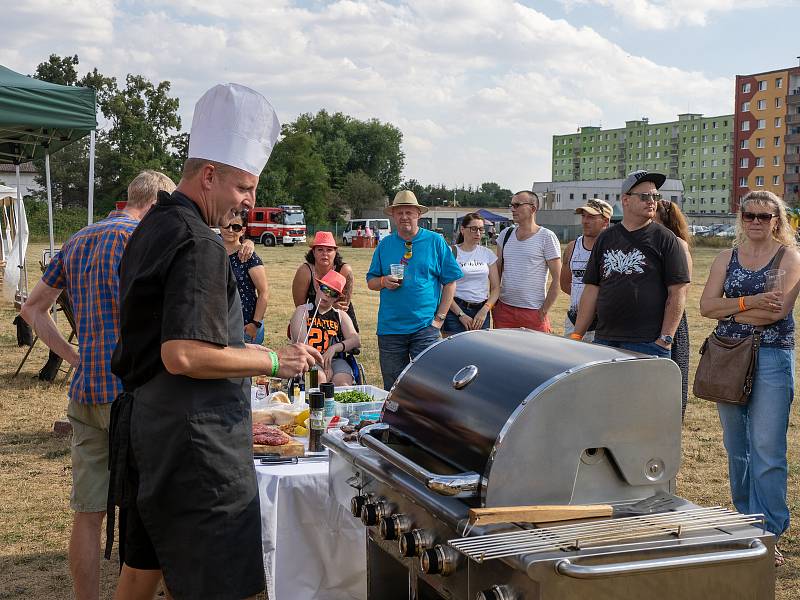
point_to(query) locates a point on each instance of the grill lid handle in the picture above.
(465, 376)
(462, 485)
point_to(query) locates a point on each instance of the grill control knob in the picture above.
(356, 504)
(415, 542)
(439, 560)
(373, 512)
(391, 527)
(497, 592)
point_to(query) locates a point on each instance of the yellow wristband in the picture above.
(489, 305)
(575, 336)
(742, 306)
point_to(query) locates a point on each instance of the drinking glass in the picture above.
(775, 279)
(398, 271)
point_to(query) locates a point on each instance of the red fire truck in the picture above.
(284, 224)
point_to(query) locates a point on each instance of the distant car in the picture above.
(380, 228)
(698, 230)
(728, 231)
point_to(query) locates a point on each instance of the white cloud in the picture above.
(668, 14)
(478, 88)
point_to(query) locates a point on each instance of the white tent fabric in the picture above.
(19, 247)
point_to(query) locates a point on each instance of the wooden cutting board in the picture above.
(292, 448)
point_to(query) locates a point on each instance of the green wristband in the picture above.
(273, 356)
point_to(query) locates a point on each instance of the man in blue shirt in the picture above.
(413, 306)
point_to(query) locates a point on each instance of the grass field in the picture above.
(35, 465)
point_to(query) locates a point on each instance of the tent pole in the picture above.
(91, 175)
(49, 202)
(22, 286)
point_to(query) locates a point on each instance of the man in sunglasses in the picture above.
(526, 254)
(636, 277)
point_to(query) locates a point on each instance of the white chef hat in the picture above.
(235, 126)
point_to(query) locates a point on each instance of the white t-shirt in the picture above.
(474, 286)
(525, 271)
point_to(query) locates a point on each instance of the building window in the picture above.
(703, 164)
(762, 104)
(572, 196)
(762, 124)
(760, 181)
(759, 142)
(744, 144)
(759, 161)
(715, 138)
(742, 181)
(762, 86)
(777, 141)
(778, 102)
(777, 121)
(584, 196)
(745, 106)
(745, 125)
(779, 82)
(776, 180)
(745, 88)
(744, 162)
(776, 161)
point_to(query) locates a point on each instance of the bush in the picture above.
(66, 221)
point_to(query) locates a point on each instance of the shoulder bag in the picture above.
(727, 365)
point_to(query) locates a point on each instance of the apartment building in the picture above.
(767, 134)
(696, 150)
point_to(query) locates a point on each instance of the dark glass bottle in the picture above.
(316, 421)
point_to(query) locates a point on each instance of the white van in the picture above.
(380, 228)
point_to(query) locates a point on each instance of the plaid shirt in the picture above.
(88, 267)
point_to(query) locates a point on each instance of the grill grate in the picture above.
(594, 534)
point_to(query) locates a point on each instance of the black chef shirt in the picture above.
(175, 284)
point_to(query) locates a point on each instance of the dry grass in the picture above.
(35, 465)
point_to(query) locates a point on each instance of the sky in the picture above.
(478, 87)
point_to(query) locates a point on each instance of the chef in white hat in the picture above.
(181, 445)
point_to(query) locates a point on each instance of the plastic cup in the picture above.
(398, 271)
(775, 279)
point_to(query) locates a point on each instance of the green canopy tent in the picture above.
(38, 118)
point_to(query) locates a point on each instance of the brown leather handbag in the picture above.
(727, 365)
(726, 369)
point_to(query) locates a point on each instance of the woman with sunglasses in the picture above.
(251, 279)
(670, 216)
(479, 289)
(320, 260)
(328, 329)
(755, 433)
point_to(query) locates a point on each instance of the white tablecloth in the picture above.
(313, 548)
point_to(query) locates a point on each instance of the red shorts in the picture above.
(510, 317)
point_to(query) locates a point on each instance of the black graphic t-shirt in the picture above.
(633, 275)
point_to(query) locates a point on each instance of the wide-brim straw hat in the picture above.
(405, 198)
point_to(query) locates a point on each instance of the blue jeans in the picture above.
(755, 438)
(650, 348)
(398, 350)
(452, 324)
(259, 339)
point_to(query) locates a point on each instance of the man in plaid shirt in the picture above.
(87, 268)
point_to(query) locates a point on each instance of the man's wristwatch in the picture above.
(439, 317)
(257, 324)
(461, 314)
(667, 339)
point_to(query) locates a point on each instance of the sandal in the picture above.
(779, 559)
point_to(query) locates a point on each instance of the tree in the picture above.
(143, 134)
(359, 192)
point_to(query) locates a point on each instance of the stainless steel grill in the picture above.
(504, 418)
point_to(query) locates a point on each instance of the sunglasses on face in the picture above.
(647, 196)
(408, 254)
(235, 227)
(475, 229)
(749, 217)
(330, 292)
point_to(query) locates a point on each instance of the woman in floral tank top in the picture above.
(755, 434)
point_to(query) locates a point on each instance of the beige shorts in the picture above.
(89, 456)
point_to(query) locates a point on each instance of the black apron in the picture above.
(191, 443)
